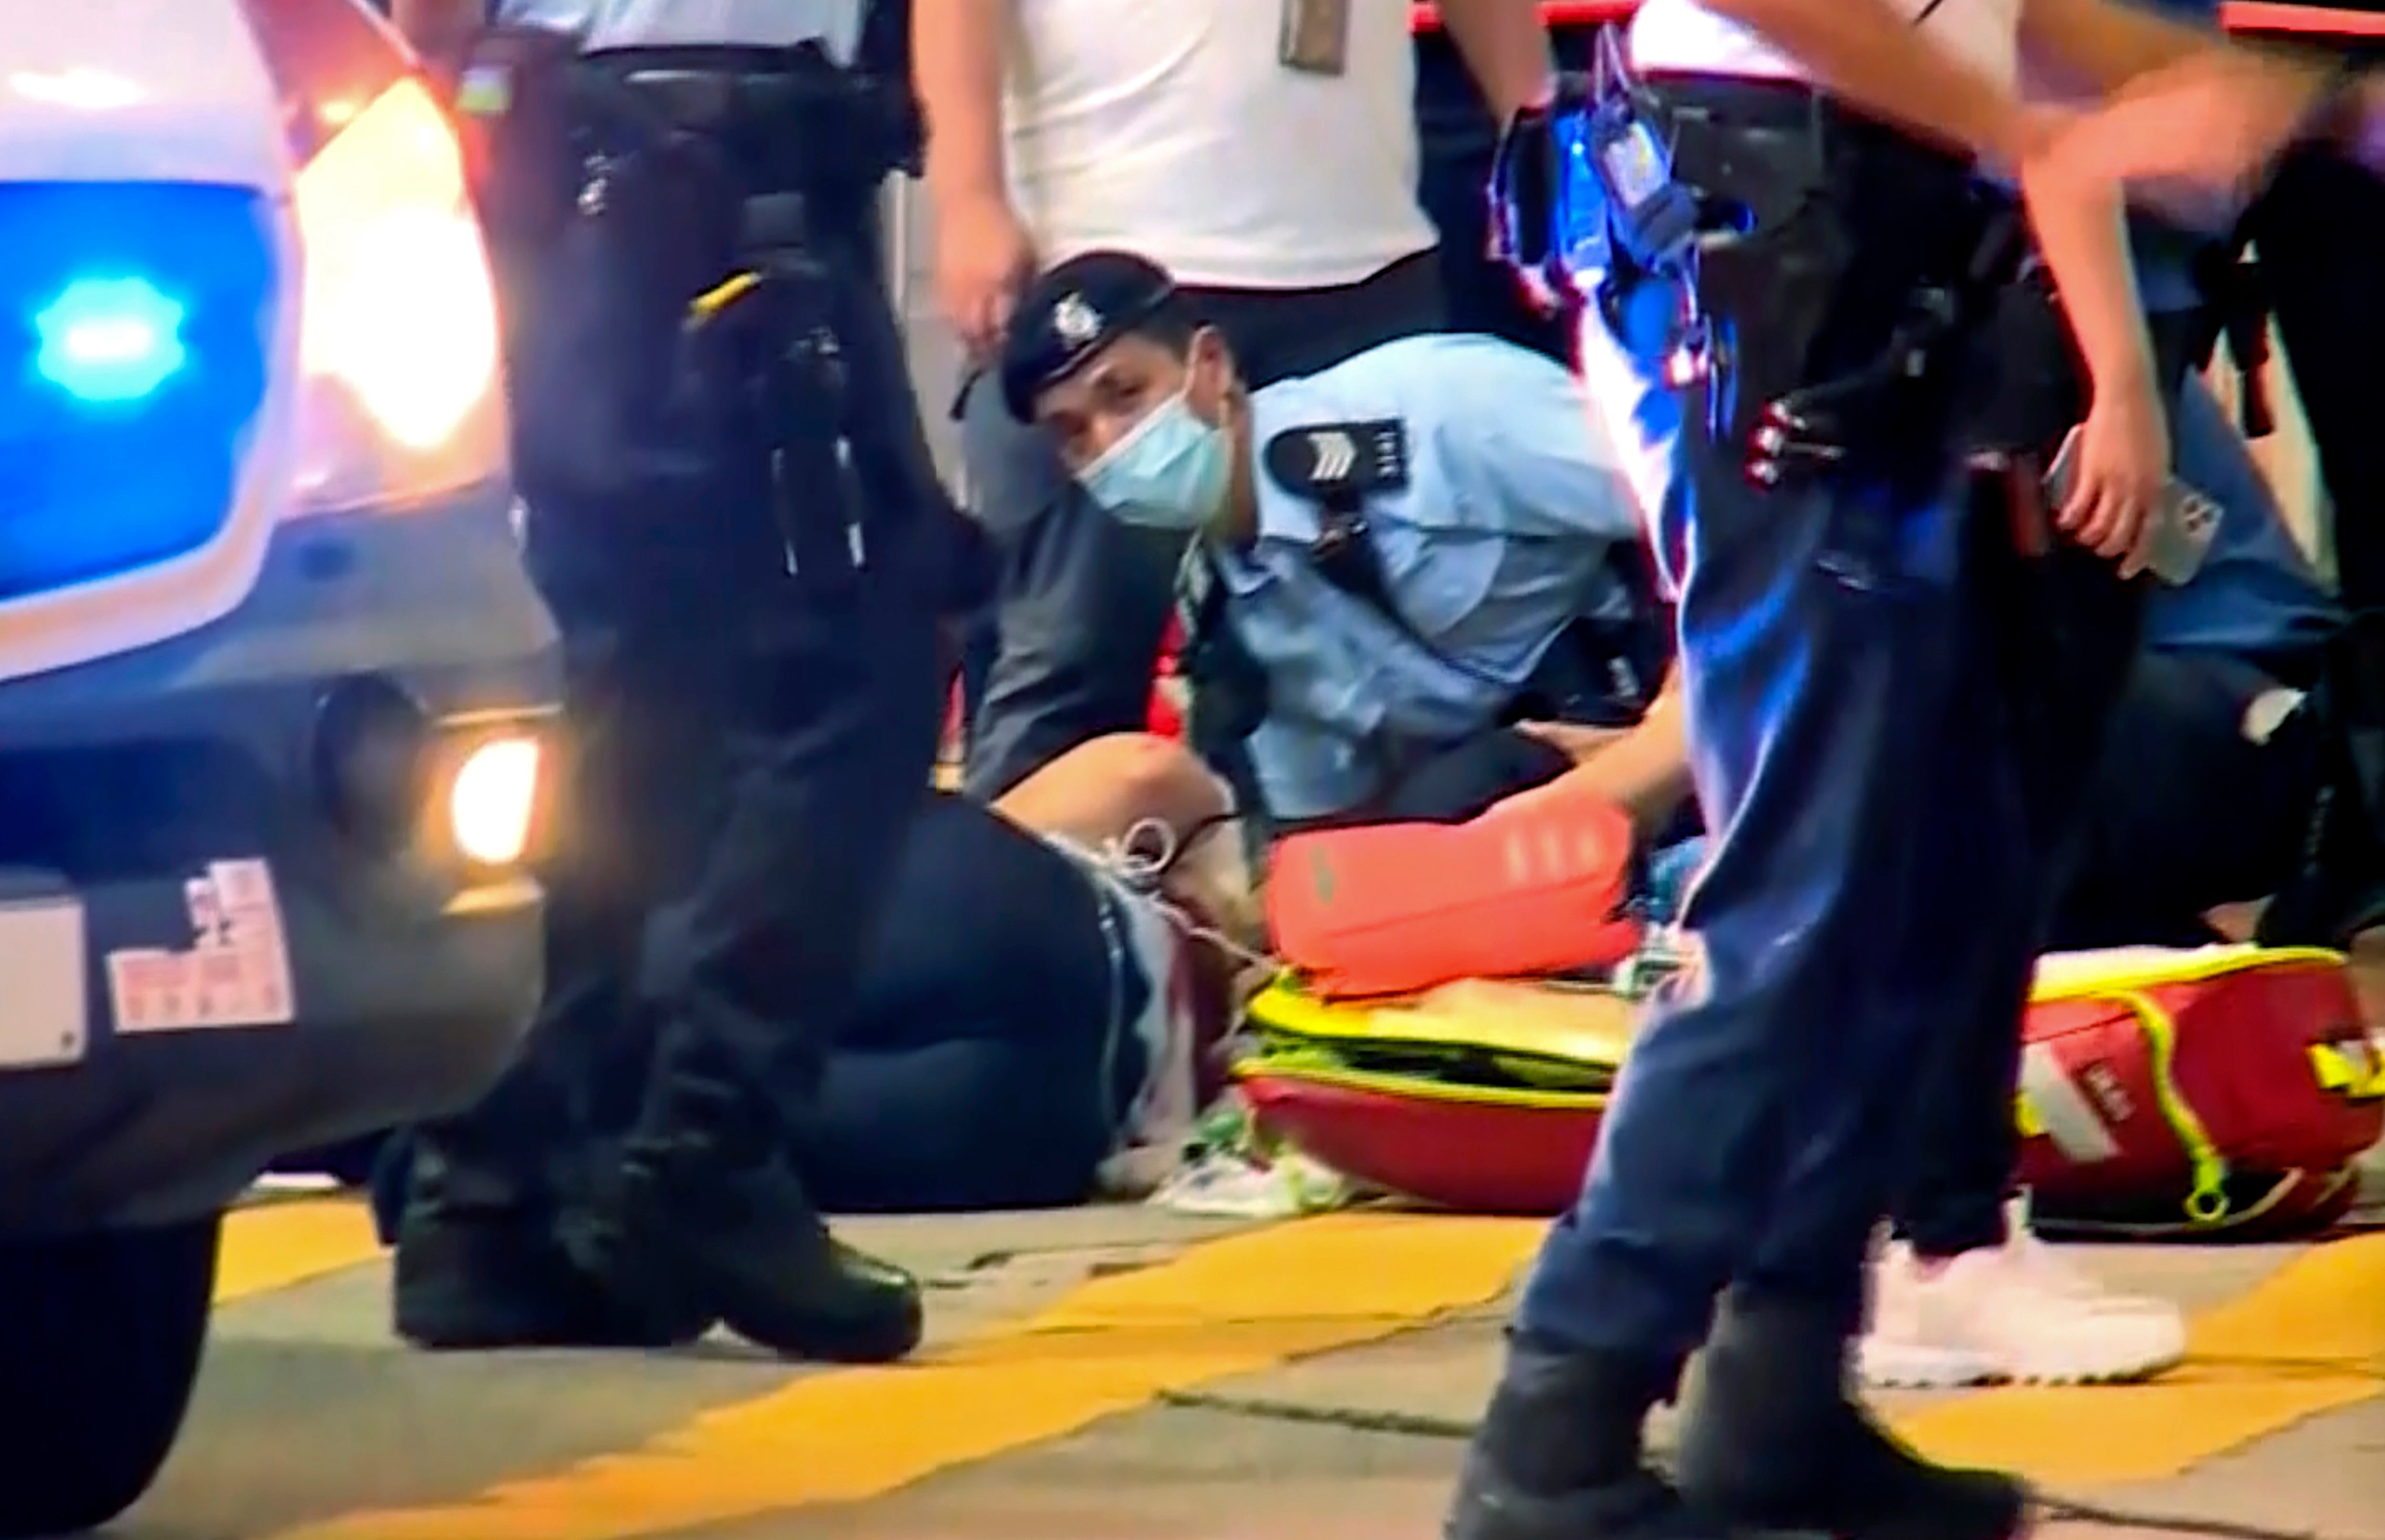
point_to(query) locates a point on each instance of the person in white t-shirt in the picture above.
(1265, 151)
(1896, 673)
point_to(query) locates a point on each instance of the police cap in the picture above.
(1072, 313)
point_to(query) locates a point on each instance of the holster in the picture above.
(1845, 266)
(678, 345)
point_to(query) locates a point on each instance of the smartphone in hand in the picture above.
(2179, 530)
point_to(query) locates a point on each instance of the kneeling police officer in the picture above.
(730, 509)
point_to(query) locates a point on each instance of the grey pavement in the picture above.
(308, 1413)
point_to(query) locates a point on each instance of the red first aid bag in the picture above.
(2219, 1090)
(1395, 908)
(1482, 1095)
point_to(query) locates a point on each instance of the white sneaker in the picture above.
(2019, 1312)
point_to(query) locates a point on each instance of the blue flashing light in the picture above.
(110, 341)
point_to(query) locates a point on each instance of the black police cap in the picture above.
(1072, 313)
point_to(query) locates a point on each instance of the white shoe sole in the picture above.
(2122, 1372)
(1898, 1366)
(1905, 1366)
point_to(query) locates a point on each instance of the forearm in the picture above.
(1506, 48)
(1647, 775)
(2081, 232)
(1645, 772)
(2100, 45)
(1867, 53)
(958, 50)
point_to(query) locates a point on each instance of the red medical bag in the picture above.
(2182, 1093)
(1395, 908)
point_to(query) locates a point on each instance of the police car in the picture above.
(276, 696)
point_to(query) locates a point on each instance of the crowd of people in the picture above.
(1175, 245)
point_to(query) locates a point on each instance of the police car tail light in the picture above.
(398, 337)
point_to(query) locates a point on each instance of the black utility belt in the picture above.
(1843, 270)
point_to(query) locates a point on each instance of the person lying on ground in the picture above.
(1037, 1022)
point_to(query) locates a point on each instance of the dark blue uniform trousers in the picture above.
(1892, 711)
(752, 746)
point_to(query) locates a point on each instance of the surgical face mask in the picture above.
(1169, 472)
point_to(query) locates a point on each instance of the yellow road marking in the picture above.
(2306, 1341)
(272, 1246)
(2309, 1340)
(1232, 1306)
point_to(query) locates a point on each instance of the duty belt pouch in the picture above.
(1849, 237)
(596, 392)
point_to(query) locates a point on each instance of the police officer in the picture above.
(1785, 288)
(1406, 552)
(730, 512)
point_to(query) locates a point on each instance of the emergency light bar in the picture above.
(2266, 16)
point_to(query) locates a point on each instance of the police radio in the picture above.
(1651, 216)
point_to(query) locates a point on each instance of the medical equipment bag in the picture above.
(1389, 909)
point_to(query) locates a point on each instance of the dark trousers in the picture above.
(735, 818)
(2318, 230)
(2179, 814)
(1892, 709)
(981, 1066)
(1084, 599)
(2184, 814)
(750, 746)
(986, 1065)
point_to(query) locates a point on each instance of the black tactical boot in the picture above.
(703, 1214)
(1774, 1441)
(1559, 1456)
(493, 1277)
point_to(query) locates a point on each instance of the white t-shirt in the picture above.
(1684, 35)
(1169, 128)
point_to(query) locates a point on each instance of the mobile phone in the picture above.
(2178, 531)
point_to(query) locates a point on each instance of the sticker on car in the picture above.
(235, 972)
(45, 1021)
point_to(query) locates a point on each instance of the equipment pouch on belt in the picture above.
(595, 339)
(1815, 272)
(1844, 288)
(1584, 186)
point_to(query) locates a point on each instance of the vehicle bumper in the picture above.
(412, 972)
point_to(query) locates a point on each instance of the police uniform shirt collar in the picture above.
(1277, 514)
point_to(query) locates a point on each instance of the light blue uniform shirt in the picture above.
(2253, 594)
(698, 23)
(1498, 541)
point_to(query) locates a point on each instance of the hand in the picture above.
(983, 260)
(2121, 464)
(2197, 139)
